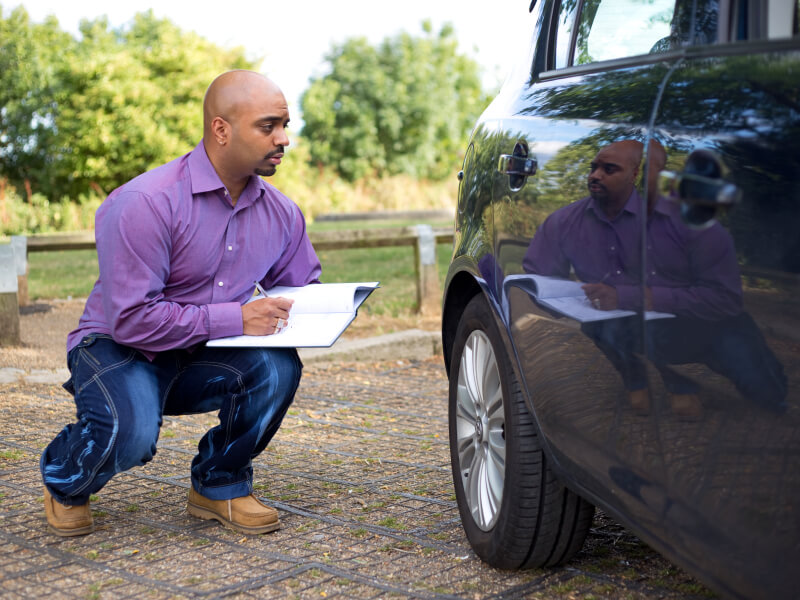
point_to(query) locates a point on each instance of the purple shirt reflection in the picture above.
(177, 259)
(691, 272)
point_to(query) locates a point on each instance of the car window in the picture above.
(608, 29)
(764, 19)
(566, 19)
(620, 28)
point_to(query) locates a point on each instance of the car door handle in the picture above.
(511, 164)
(698, 189)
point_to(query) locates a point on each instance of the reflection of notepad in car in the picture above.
(567, 298)
(319, 315)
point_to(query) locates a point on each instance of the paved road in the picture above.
(360, 475)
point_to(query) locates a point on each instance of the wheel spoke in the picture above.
(472, 375)
(489, 498)
(480, 424)
(473, 487)
(494, 403)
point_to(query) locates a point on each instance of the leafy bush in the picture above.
(38, 214)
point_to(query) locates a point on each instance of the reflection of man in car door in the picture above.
(691, 273)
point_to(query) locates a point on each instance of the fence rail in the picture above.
(322, 240)
(423, 239)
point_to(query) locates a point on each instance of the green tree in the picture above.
(108, 106)
(405, 106)
(29, 57)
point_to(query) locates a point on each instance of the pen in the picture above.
(260, 289)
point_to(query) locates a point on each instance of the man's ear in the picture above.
(221, 130)
(637, 176)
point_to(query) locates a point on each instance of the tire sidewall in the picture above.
(492, 545)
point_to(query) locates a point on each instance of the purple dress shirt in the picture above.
(691, 272)
(177, 259)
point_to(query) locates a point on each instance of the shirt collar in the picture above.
(664, 206)
(205, 179)
(203, 175)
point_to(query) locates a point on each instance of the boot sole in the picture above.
(204, 513)
(70, 532)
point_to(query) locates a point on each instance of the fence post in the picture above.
(20, 245)
(9, 307)
(428, 288)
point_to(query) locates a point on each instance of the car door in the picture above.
(729, 120)
(594, 85)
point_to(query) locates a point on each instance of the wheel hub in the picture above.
(479, 430)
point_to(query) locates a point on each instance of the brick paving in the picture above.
(361, 478)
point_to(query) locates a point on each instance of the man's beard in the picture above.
(266, 172)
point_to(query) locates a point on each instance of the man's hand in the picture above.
(265, 316)
(602, 296)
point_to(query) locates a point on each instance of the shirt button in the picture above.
(220, 284)
(230, 248)
(613, 248)
(652, 272)
(619, 272)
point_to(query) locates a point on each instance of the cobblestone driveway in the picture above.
(360, 475)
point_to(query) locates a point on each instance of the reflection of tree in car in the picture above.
(690, 273)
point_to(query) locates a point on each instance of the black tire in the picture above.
(539, 521)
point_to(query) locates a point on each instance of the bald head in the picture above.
(628, 152)
(232, 92)
(656, 155)
(656, 161)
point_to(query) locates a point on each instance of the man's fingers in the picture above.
(263, 316)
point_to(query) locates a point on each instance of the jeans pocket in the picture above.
(82, 351)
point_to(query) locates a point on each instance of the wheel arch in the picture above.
(460, 290)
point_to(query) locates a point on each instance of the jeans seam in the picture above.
(96, 379)
(233, 397)
(111, 442)
(103, 371)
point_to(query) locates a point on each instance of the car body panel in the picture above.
(717, 493)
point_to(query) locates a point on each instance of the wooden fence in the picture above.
(422, 238)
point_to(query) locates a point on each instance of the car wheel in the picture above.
(515, 513)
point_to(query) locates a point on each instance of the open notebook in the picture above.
(567, 298)
(320, 314)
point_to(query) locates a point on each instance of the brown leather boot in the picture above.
(640, 401)
(246, 514)
(66, 520)
(686, 406)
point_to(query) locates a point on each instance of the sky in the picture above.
(294, 36)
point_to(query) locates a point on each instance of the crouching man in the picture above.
(179, 250)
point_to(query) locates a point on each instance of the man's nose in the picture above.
(281, 138)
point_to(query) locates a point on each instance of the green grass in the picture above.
(72, 273)
(61, 274)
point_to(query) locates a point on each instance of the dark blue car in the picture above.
(621, 318)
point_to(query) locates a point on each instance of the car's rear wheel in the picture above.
(515, 513)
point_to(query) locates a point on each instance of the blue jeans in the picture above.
(121, 398)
